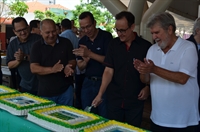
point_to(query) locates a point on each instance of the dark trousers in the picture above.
(66, 98)
(78, 86)
(15, 78)
(157, 128)
(89, 91)
(1, 77)
(132, 116)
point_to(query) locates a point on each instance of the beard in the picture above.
(164, 43)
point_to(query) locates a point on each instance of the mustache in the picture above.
(156, 40)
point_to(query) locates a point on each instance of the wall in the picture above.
(3, 37)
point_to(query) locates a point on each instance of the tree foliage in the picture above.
(39, 15)
(103, 17)
(48, 14)
(12, 9)
(18, 8)
(3, 9)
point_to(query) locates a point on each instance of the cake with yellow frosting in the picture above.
(113, 126)
(6, 90)
(64, 118)
(20, 103)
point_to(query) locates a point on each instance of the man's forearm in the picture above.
(97, 57)
(81, 64)
(177, 77)
(13, 64)
(40, 70)
(106, 79)
(145, 78)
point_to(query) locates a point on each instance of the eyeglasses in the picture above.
(122, 31)
(86, 27)
(21, 30)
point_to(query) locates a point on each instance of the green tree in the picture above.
(39, 15)
(18, 8)
(103, 17)
(48, 14)
(12, 9)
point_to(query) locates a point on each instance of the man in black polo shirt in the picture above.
(121, 81)
(92, 51)
(53, 61)
(18, 53)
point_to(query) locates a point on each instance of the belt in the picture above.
(94, 78)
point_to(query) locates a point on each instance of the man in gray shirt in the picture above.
(18, 54)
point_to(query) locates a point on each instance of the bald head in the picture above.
(45, 22)
(48, 31)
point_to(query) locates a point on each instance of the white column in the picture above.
(137, 8)
(114, 6)
(156, 7)
(199, 11)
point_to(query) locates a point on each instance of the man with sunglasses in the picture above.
(92, 50)
(121, 81)
(18, 54)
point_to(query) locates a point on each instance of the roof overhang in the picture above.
(186, 8)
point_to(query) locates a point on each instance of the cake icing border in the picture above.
(10, 90)
(36, 114)
(23, 110)
(113, 122)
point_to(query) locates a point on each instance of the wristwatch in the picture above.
(25, 57)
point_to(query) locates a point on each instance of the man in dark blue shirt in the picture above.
(92, 51)
(195, 38)
(18, 54)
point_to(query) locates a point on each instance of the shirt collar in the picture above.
(98, 34)
(57, 41)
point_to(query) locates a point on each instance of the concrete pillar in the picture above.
(156, 7)
(114, 6)
(3, 28)
(199, 11)
(137, 8)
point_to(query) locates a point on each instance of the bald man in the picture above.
(53, 61)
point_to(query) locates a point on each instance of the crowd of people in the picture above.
(88, 67)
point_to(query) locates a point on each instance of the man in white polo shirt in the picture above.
(171, 69)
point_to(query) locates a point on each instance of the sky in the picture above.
(70, 4)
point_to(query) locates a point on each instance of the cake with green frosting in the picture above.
(21, 103)
(64, 118)
(113, 126)
(4, 90)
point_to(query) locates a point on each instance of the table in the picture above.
(12, 123)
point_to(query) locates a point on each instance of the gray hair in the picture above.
(196, 26)
(164, 19)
